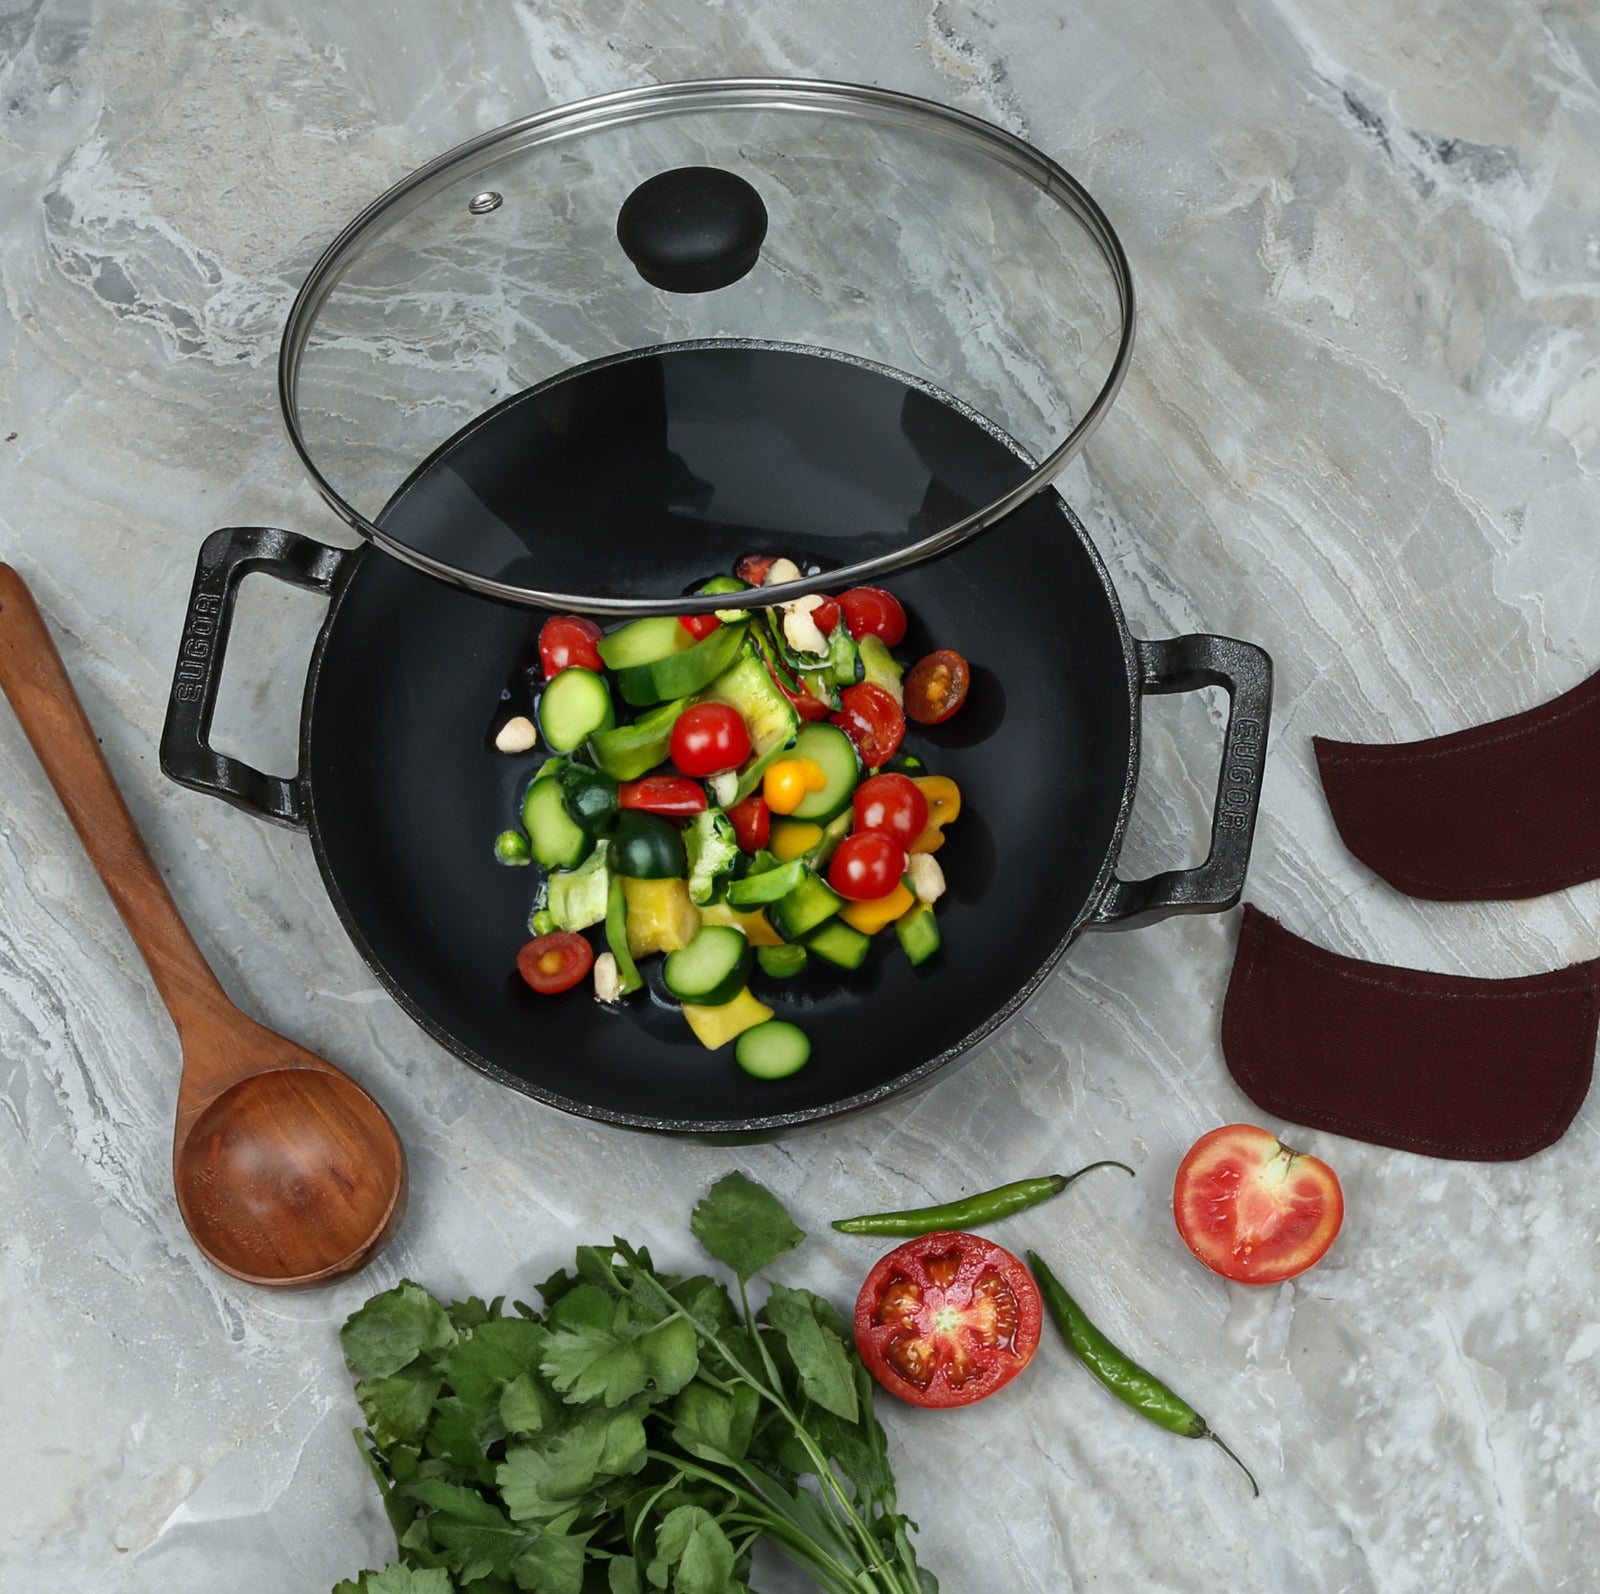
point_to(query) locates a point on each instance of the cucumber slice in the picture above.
(781, 962)
(834, 753)
(812, 901)
(773, 1050)
(575, 705)
(644, 641)
(918, 932)
(681, 674)
(837, 943)
(553, 837)
(767, 886)
(711, 970)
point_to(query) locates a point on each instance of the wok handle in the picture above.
(1185, 664)
(226, 558)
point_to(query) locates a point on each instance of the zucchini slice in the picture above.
(711, 970)
(773, 1050)
(554, 838)
(575, 705)
(835, 755)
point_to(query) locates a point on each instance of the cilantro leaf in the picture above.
(393, 1329)
(397, 1408)
(819, 1356)
(714, 1424)
(539, 1479)
(741, 1223)
(485, 1358)
(622, 1576)
(398, 1579)
(524, 1407)
(596, 1349)
(690, 1540)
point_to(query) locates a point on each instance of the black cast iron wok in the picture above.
(402, 793)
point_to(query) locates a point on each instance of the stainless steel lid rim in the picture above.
(882, 106)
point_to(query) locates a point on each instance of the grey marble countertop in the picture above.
(1362, 428)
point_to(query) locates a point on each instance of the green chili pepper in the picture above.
(988, 1206)
(1125, 1378)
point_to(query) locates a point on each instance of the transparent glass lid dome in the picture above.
(590, 358)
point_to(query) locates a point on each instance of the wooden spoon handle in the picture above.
(35, 680)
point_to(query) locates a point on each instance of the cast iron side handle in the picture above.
(226, 558)
(1185, 664)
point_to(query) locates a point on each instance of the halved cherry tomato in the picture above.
(937, 686)
(699, 625)
(826, 615)
(892, 804)
(947, 1318)
(867, 865)
(752, 823)
(556, 962)
(870, 611)
(1253, 1209)
(872, 720)
(753, 567)
(670, 795)
(569, 639)
(709, 737)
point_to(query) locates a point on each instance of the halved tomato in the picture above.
(555, 962)
(1253, 1209)
(947, 1319)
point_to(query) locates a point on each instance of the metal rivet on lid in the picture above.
(482, 204)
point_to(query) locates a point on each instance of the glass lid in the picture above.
(516, 368)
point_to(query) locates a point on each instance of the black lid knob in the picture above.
(692, 229)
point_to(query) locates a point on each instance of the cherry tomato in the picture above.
(699, 625)
(752, 823)
(947, 1319)
(872, 720)
(866, 865)
(937, 686)
(753, 568)
(709, 737)
(826, 615)
(1253, 1209)
(569, 639)
(662, 794)
(892, 804)
(555, 962)
(870, 611)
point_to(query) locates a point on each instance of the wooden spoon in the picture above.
(287, 1171)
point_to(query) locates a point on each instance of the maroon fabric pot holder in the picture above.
(1480, 1070)
(1509, 809)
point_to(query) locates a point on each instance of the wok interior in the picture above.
(407, 793)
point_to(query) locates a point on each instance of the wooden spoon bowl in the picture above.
(287, 1172)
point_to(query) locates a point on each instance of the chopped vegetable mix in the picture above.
(759, 797)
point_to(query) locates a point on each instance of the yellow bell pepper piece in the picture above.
(661, 918)
(752, 921)
(786, 783)
(716, 1026)
(944, 804)
(870, 917)
(792, 837)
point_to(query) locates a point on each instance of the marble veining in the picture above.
(1362, 427)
